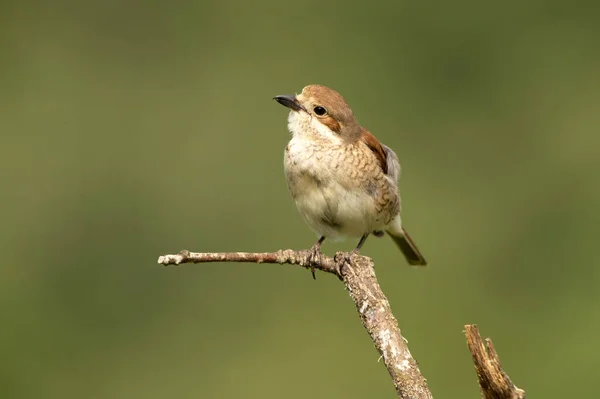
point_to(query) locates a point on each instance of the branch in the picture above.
(493, 381)
(358, 274)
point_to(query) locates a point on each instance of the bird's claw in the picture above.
(341, 259)
(314, 258)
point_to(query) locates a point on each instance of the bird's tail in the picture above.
(405, 243)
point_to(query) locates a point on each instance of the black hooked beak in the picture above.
(289, 101)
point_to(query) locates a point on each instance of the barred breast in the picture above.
(339, 188)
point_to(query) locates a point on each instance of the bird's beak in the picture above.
(289, 101)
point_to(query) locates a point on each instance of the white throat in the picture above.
(303, 125)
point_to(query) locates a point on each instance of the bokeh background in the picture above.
(130, 129)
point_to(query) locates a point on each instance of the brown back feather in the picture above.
(374, 145)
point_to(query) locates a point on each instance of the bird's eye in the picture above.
(320, 110)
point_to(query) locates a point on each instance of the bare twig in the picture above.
(288, 256)
(358, 274)
(493, 381)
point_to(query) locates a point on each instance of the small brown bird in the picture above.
(343, 180)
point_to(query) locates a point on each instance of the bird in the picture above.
(343, 180)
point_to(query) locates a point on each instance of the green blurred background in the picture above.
(130, 129)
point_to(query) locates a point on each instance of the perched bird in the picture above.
(343, 180)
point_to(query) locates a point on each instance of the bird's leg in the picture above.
(314, 257)
(348, 256)
(360, 243)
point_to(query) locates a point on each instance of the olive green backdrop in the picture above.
(130, 129)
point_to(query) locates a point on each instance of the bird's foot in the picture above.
(314, 258)
(341, 259)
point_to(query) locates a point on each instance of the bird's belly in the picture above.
(328, 196)
(333, 210)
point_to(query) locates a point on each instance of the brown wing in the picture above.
(371, 141)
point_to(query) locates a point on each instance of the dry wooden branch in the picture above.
(358, 274)
(493, 381)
